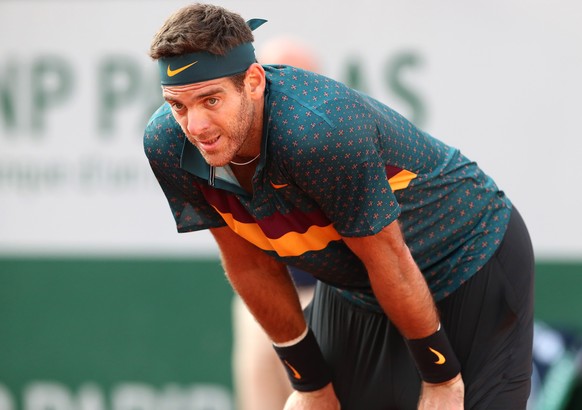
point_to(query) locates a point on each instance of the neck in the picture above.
(252, 147)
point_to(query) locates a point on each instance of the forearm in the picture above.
(272, 299)
(268, 291)
(405, 297)
(397, 282)
(263, 284)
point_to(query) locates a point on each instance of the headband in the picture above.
(203, 66)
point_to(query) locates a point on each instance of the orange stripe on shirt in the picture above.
(290, 244)
(401, 180)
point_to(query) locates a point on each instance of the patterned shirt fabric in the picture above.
(336, 162)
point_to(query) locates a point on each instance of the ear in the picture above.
(255, 81)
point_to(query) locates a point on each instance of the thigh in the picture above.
(370, 363)
(489, 321)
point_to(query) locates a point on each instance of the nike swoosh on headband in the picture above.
(172, 73)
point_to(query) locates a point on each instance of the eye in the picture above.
(177, 107)
(212, 101)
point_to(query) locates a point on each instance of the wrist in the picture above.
(293, 341)
(304, 362)
(445, 383)
(434, 358)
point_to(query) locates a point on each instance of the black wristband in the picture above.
(305, 364)
(434, 357)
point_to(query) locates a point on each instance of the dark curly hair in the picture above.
(200, 27)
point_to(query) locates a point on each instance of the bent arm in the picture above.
(268, 291)
(404, 295)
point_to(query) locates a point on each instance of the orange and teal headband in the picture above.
(203, 66)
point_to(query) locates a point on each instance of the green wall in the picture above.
(114, 332)
(123, 334)
(559, 293)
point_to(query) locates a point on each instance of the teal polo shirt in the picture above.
(336, 162)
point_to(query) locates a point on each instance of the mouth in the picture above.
(208, 144)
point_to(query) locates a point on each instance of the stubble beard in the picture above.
(239, 130)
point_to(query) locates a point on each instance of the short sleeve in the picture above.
(341, 168)
(163, 143)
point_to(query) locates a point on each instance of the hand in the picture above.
(449, 395)
(322, 399)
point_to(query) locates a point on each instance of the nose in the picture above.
(198, 122)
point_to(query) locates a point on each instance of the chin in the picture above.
(215, 162)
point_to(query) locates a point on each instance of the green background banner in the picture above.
(121, 334)
(144, 334)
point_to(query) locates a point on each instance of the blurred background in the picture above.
(103, 306)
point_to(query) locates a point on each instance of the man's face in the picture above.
(215, 116)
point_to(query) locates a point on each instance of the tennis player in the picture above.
(425, 267)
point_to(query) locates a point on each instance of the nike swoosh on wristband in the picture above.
(172, 73)
(278, 186)
(441, 358)
(295, 372)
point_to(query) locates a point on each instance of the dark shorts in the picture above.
(489, 321)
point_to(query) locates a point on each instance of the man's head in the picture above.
(201, 42)
(211, 80)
